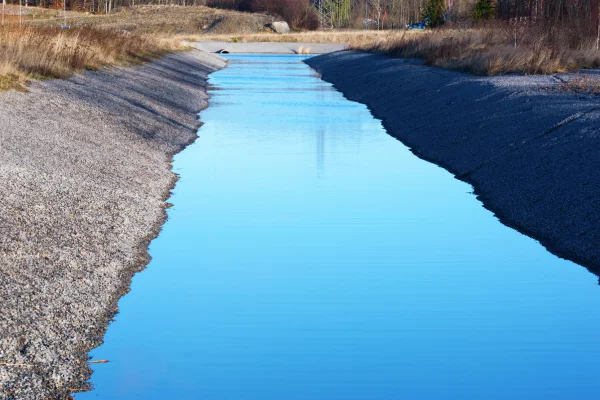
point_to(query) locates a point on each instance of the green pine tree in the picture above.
(434, 12)
(484, 9)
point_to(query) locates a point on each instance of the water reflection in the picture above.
(320, 150)
(309, 255)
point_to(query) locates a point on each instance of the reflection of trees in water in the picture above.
(320, 150)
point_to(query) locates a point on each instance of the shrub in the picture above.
(484, 9)
(434, 13)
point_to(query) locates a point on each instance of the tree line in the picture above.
(372, 14)
(393, 14)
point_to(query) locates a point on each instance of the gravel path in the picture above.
(84, 172)
(531, 151)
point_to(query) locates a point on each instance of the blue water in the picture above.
(309, 255)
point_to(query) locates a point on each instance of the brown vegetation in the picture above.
(39, 48)
(341, 36)
(165, 20)
(27, 52)
(582, 83)
(531, 45)
(300, 14)
(581, 12)
(496, 48)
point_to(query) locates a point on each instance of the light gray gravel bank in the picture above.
(531, 152)
(84, 175)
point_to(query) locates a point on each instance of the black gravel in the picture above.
(530, 150)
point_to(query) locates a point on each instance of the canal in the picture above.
(309, 255)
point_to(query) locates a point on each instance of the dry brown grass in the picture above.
(582, 83)
(28, 52)
(40, 49)
(164, 20)
(361, 36)
(31, 14)
(490, 50)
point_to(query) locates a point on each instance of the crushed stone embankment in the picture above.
(531, 151)
(85, 172)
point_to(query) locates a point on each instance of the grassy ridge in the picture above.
(40, 49)
(165, 20)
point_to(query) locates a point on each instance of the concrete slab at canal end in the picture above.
(268, 47)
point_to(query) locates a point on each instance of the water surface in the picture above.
(309, 255)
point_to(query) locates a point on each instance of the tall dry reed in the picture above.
(494, 49)
(28, 52)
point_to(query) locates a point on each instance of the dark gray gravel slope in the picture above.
(84, 175)
(531, 152)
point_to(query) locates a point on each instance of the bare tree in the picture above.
(378, 7)
(598, 34)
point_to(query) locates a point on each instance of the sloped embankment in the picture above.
(85, 172)
(531, 152)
